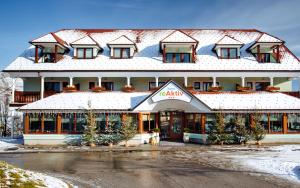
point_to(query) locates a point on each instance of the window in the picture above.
(229, 53)
(67, 123)
(109, 86)
(210, 121)
(84, 53)
(114, 121)
(48, 57)
(152, 85)
(294, 123)
(49, 123)
(101, 122)
(250, 85)
(264, 57)
(91, 85)
(52, 86)
(190, 122)
(80, 122)
(276, 122)
(207, 85)
(197, 85)
(121, 53)
(148, 122)
(264, 121)
(261, 86)
(178, 57)
(35, 125)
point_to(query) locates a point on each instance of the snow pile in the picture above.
(282, 161)
(8, 144)
(16, 177)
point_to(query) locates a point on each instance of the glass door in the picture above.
(165, 118)
(176, 125)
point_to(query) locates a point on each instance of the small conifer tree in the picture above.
(258, 131)
(242, 133)
(217, 133)
(89, 136)
(128, 130)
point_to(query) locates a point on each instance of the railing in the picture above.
(30, 96)
(293, 93)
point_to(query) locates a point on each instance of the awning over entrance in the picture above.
(170, 97)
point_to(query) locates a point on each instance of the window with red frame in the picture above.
(84, 53)
(229, 53)
(121, 53)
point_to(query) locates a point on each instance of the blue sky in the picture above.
(22, 21)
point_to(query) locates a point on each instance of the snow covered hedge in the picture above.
(11, 176)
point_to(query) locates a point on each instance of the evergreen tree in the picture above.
(217, 133)
(89, 136)
(128, 130)
(258, 130)
(242, 133)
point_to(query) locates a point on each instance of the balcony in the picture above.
(24, 97)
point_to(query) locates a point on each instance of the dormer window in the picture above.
(229, 53)
(121, 53)
(266, 49)
(86, 48)
(122, 48)
(228, 48)
(84, 53)
(178, 47)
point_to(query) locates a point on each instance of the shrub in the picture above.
(187, 130)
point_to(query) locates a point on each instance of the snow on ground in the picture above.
(16, 177)
(282, 161)
(9, 144)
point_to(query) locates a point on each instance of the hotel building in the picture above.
(160, 78)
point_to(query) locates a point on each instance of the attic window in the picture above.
(84, 53)
(121, 53)
(229, 53)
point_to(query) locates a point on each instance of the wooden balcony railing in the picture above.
(30, 96)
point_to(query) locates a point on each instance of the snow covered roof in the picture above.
(116, 100)
(86, 40)
(228, 40)
(121, 40)
(78, 101)
(250, 101)
(49, 38)
(149, 59)
(268, 38)
(179, 36)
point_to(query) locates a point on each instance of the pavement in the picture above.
(129, 169)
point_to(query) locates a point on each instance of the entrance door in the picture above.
(171, 124)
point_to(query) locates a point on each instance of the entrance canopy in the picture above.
(170, 97)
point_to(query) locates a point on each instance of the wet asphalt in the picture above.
(153, 169)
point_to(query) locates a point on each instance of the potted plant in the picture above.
(215, 88)
(98, 89)
(128, 89)
(272, 88)
(186, 134)
(70, 88)
(241, 88)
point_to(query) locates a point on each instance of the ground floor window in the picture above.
(264, 121)
(35, 123)
(80, 122)
(114, 121)
(193, 122)
(49, 123)
(67, 123)
(149, 122)
(276, 123)
(101, 122)
(209, 122)
(294, 123)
